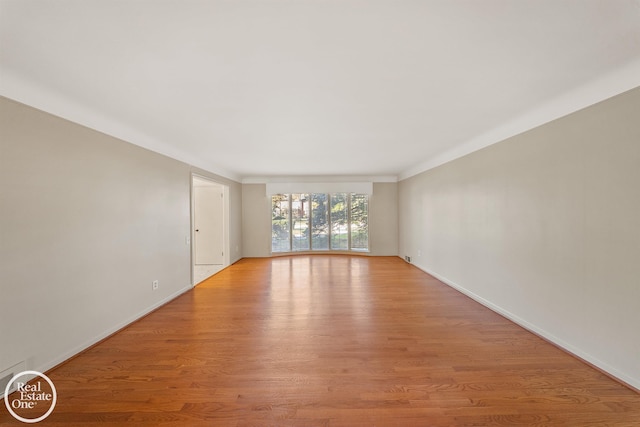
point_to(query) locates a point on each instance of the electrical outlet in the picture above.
(154, 285)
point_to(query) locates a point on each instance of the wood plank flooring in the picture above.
(331, 341)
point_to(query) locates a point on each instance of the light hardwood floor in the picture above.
(331, 341)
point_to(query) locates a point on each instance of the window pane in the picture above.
(319, 222)
(339, 230)
(300, 221)
(280, 241)
(359, 222)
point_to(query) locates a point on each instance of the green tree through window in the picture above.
(319, 221)
(280, 223)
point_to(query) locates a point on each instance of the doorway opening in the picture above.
(209, 228)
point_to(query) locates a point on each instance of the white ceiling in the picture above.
(264, 88)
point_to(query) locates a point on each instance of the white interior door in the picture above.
(208, 225)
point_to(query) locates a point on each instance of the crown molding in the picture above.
(607, 86)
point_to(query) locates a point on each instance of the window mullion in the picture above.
(348, 221)
(310, 223)
(290, 222)
(329, 226)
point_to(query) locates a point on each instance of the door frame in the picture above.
(225, 222)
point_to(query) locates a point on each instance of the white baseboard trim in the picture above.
(575, 351)
(73, 352)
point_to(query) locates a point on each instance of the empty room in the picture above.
(320, 213)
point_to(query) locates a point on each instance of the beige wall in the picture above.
(383, 220)
(87, 223)
(544, 228)
(256, 222)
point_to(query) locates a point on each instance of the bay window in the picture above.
(319, 222)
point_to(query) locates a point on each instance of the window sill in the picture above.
(323, 252)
